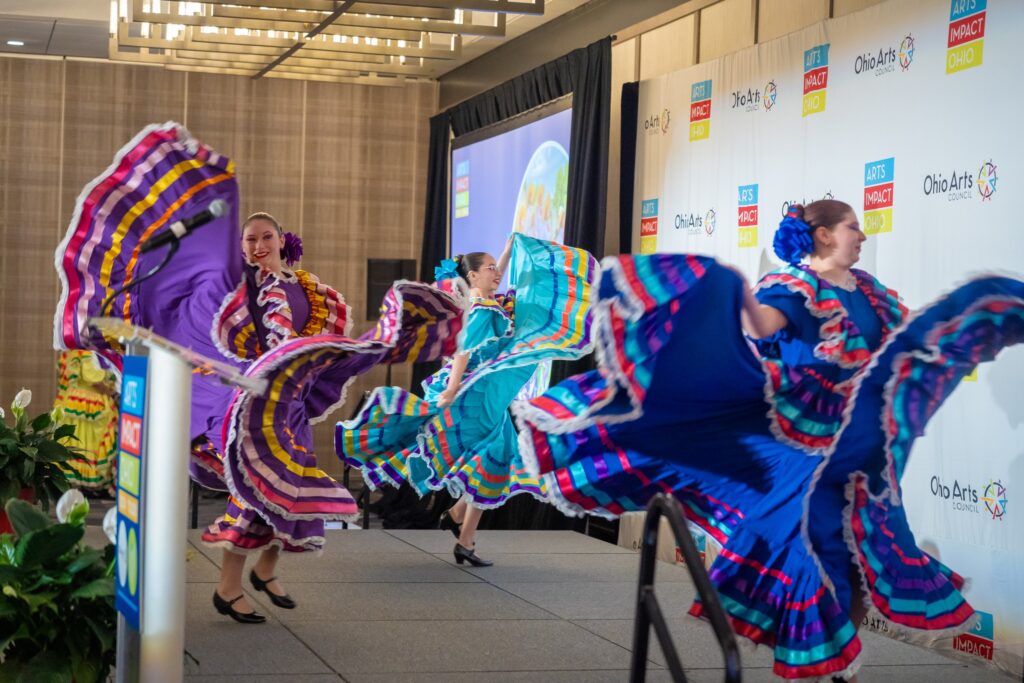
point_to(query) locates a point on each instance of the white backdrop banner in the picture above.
(911, 112)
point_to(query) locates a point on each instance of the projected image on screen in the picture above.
(515, 180)
(512, 177)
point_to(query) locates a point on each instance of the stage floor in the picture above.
(381, 606)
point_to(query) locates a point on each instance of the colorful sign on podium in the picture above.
(130, 461)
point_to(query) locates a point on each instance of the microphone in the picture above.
(178, 229)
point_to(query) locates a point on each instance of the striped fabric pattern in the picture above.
(270, 464)
(808, 407)
(162, 175)
(470, 446)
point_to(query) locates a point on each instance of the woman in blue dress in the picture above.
(460, 436)
(789, 455)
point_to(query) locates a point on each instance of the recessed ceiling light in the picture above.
(16, 43)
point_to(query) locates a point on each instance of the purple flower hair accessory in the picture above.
(292, 250)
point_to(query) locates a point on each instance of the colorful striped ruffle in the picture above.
(235, 331)
(206, 464)
(270, 464)
(242, 530)
(783, 575)
(908, 381)
(807, 408)
(470, 446)
(161, 176)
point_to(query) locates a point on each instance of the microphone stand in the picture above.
(175, 245)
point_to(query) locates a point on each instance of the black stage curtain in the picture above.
(586, 73)
(435, 221)
(627, 164)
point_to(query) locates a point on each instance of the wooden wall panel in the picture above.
(668, 48)
(779, 17)
(365, 166)
(106, 105)
(258, 124)
(30, 133)
(624, 70)
(725, 27)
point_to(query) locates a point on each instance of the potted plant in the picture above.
(31, 454)
(57, 617)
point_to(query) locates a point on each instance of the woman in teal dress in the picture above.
(459, 436)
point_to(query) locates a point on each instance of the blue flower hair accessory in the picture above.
(793, 239)
(447, 270)
(292, 250)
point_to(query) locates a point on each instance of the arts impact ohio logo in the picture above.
(462, 189)
(746, 219)
(649, 226)
(696, 222)
(815, 79)
(966, 37)
(980, 640)
(963, 183)
(700, 110)
(658, 123)
(884, 61)
(752, 99)
(879, 183)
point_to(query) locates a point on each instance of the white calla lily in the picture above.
(110, 524)
(71, 499)
(22, 399)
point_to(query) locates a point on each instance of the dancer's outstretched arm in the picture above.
(759, 320)
(506, 255)
(459, 363)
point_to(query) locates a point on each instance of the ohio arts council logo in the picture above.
(770, 93)
(962, 496)
(987, 180)
(994, 497)
(802, 202)
(751, 99)
(906, 53)
(960, 183)
(695, 223)
(885, 60)
(658, 123)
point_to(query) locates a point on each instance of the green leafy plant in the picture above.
(57, 617)
(31, 453)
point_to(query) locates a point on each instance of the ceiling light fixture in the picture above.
(315, 39)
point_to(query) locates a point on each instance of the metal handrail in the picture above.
(648, 611)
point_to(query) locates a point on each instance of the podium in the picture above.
(152, 496)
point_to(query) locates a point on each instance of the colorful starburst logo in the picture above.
(770, 93)
(709, 221)
(994, 498)
(987, 180)
(906, 53)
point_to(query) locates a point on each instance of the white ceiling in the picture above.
(80, 28)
